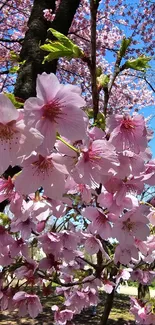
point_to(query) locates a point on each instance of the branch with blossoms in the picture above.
(75, 222)
(70, 169)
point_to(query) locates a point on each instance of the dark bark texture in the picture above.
(107, 308)
(143, 292)
(35, 36)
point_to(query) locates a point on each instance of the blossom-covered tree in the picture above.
(75, 157)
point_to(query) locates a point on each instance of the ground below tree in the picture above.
(119, 315)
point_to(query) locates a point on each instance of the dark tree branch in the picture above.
(95, 95)
(35, 36)
(4, 4)
(7, 40)
(143, 78)
(107, 307)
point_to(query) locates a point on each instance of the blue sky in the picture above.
(147, 112)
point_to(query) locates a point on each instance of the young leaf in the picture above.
(100, 121)
(140, 64)
(124, 45)
(14, 69)
(103, 80)
(63, 47)
(14, 101)
(14, 56)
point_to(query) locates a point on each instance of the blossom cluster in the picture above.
(76, 195)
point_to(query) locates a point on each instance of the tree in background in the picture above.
(81, 168)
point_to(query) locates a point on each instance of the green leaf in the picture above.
(4, 219)
(100, 121)
(98, 71)
(124, 45)
(62, 38)
(14, 101)
(14, 56)
(103, 80)
(63, 47)
(90, 113)
(140, 64)
(14, 69)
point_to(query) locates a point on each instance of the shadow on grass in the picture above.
(119, 315)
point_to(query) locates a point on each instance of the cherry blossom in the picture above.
(16, 140)
(56, 109)
(78, 206)
(45, 172)
(130, 225)
(128, 133)
(27, 304)
(95, 161)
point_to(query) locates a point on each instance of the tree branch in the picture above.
(7, 40)
(95, 95)
(35, 36)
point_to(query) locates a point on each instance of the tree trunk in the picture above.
(143, 292)
(107, 307)
(35, 36)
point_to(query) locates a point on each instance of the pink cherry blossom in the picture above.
(100, 222)
(6, 301)
(25, 226)
(125, 254)
(6, 189)
(131, 224)
(62, 316)
(108, 286)
(142, 246)
(120, 187)
(69, 239)
(24, 220)
(93, 245)
(143, 276)
(16, 140)
(72, 188)
(51, 242)
(109, 201)
(149, 176)
(76, 301)
(5, 256)
(92, 298)
(27, 304)
(130, 164)
(128, 132)
(139, 310)
(123, 274)
(48, 262)
(56, 109)
(42, 171)
(151, 217)
(5, 238)
(27, 270)
(19, 247)
(95, 161)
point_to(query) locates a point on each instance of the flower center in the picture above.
(128, 224)
(6, 132)
(43, 165)
(91, 155)
(127, 123)
(52, 111)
